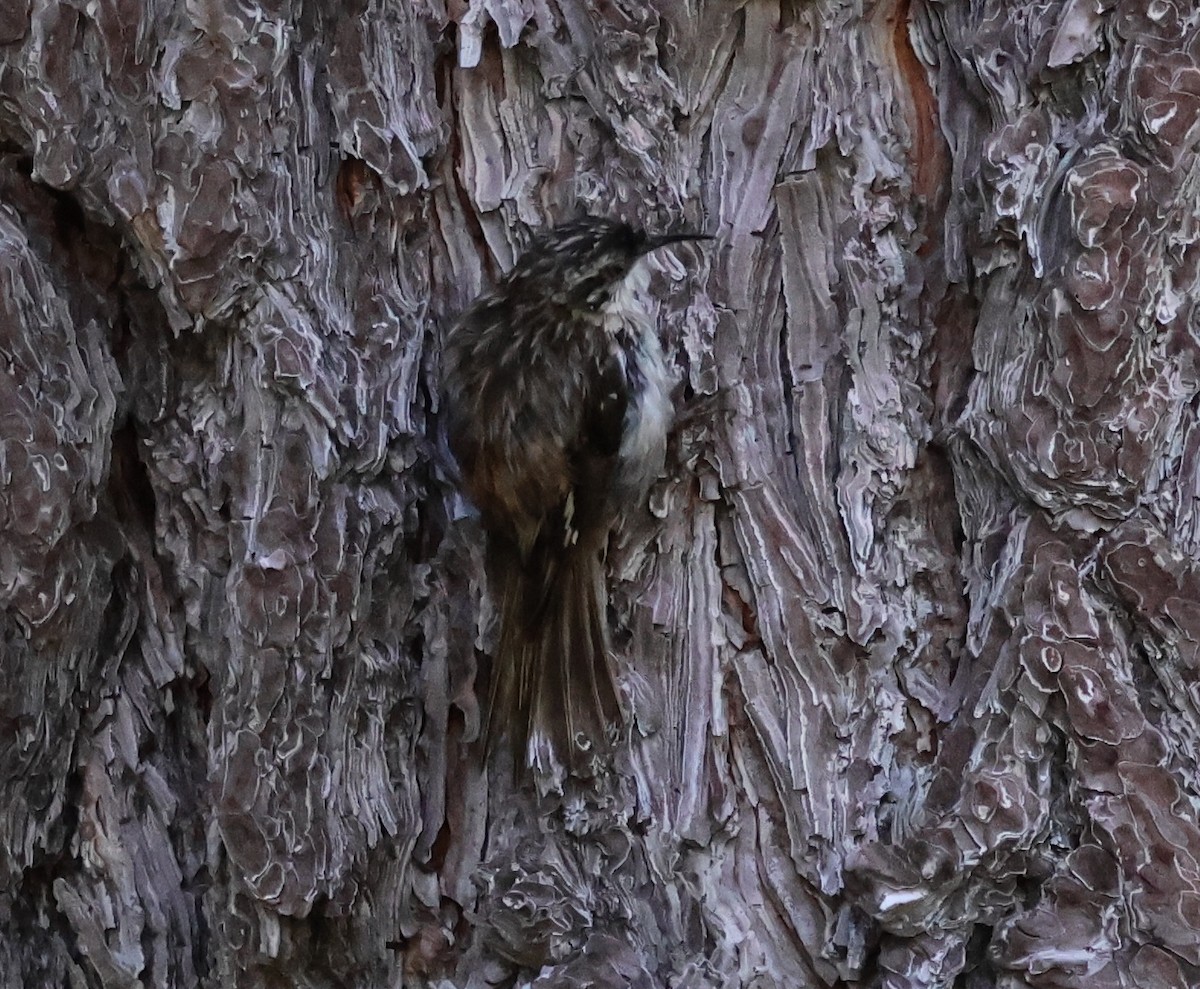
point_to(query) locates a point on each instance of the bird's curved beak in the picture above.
(654, 243)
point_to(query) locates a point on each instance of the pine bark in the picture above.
(909, 629)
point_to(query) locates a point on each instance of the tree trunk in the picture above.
(909, 630)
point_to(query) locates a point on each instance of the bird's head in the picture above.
(581, 262)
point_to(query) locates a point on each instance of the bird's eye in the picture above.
(625, 238)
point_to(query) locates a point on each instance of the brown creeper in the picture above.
(558, 419)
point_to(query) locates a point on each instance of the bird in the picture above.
(557, 411)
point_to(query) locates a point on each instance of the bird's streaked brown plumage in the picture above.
(553, 409)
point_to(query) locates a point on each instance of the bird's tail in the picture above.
(553, 690)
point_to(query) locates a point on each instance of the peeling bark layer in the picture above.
(909, 630)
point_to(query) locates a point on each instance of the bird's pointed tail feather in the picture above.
(553, 690)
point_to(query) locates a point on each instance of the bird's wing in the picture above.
(578, 521)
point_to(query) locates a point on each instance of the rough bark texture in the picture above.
(911, 629)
